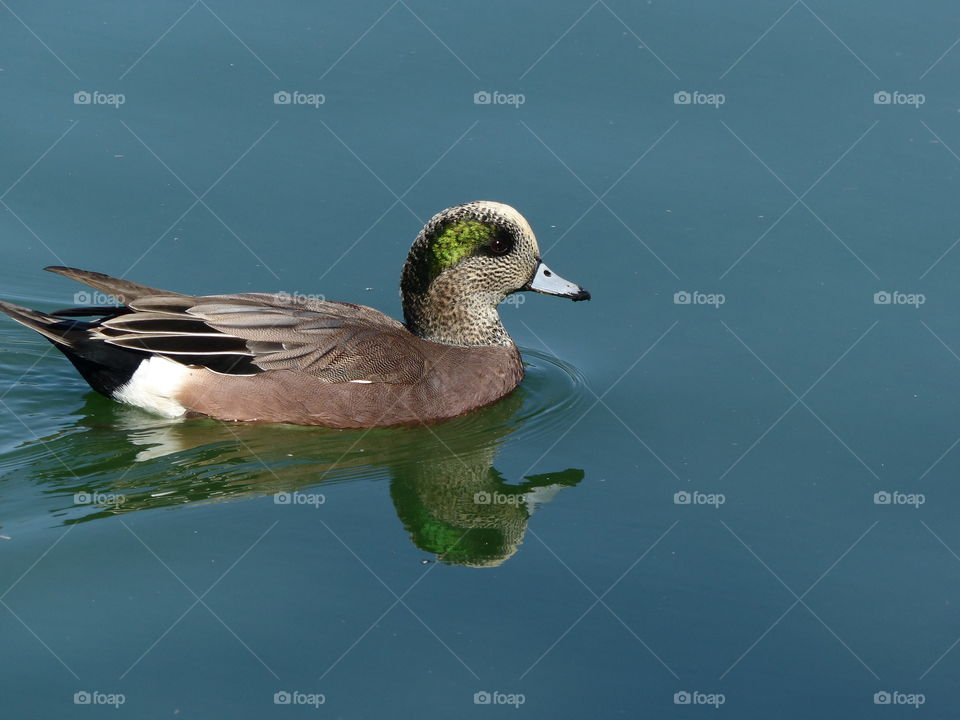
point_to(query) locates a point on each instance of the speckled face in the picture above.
(484, 246)
(464, 262)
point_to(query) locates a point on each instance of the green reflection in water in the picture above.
(445, 488)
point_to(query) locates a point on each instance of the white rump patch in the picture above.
(154, 387)
(362, 382)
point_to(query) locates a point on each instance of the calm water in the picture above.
(687, 495)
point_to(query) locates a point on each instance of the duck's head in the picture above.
(463, 264)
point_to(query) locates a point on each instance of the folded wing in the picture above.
(250, 333)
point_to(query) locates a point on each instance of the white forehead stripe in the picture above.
(505, 210)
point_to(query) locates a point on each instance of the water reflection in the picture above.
(464, 511)
(447, 492)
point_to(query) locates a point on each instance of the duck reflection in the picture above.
(466, 513)
(446, 491)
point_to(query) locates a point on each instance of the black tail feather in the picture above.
(55, 329)
(99, 311)
(105, 367)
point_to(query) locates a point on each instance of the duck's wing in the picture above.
(336, 342)
(249, 333)
(123, 291)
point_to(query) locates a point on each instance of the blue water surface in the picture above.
(725, 486)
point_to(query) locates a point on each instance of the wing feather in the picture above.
(255, 332)
(335, 342)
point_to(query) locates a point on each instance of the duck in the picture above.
(282, 358)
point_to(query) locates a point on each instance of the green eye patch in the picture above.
(456, 242)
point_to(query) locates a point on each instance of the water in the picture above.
(221, 565)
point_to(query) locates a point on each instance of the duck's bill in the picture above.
(547, 281)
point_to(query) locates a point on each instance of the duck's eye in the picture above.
(500, 245)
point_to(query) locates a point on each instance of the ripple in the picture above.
(552, 395)
(558, 394)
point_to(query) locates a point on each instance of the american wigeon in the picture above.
(281, 358)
